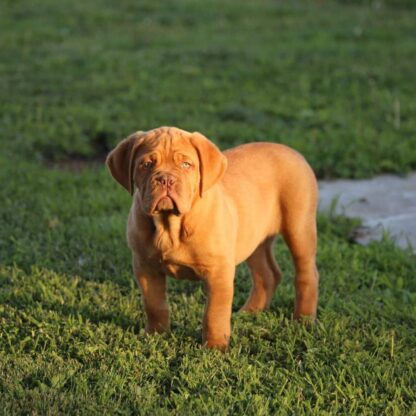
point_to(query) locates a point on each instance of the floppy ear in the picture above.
(212, 163)
(120, 160)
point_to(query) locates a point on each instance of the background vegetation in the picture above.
(334, 79)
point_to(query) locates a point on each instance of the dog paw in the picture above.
(250, 309)
(220, 344)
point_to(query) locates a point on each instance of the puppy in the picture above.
(198, 212)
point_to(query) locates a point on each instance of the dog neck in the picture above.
(168, 231)
(167, 234)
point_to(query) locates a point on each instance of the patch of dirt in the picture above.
(76, 164)
(79, 163)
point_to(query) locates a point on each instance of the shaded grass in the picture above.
(332, 79)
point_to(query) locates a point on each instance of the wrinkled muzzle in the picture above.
(163, 194)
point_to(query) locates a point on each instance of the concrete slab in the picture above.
(385, 203)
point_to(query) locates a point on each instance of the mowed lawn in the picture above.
(333, 79)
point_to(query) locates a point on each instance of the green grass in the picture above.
(333, 79)
(72, 322)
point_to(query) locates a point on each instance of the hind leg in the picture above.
(301, 237)
(265, 274)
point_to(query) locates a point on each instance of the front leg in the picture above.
(216, 330)
(153, 288)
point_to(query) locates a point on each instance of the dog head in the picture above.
(170, 168)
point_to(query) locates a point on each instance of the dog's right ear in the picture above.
(120, 160)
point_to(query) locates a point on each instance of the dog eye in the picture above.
(185, 165)
(147, 165)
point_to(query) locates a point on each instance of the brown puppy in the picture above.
(197, 213)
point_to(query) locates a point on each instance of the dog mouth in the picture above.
(165, 204)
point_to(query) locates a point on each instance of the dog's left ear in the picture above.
(120, 160)
(212, 163)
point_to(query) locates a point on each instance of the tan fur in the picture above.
(197, 213)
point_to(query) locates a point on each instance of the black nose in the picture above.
(165, 179)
